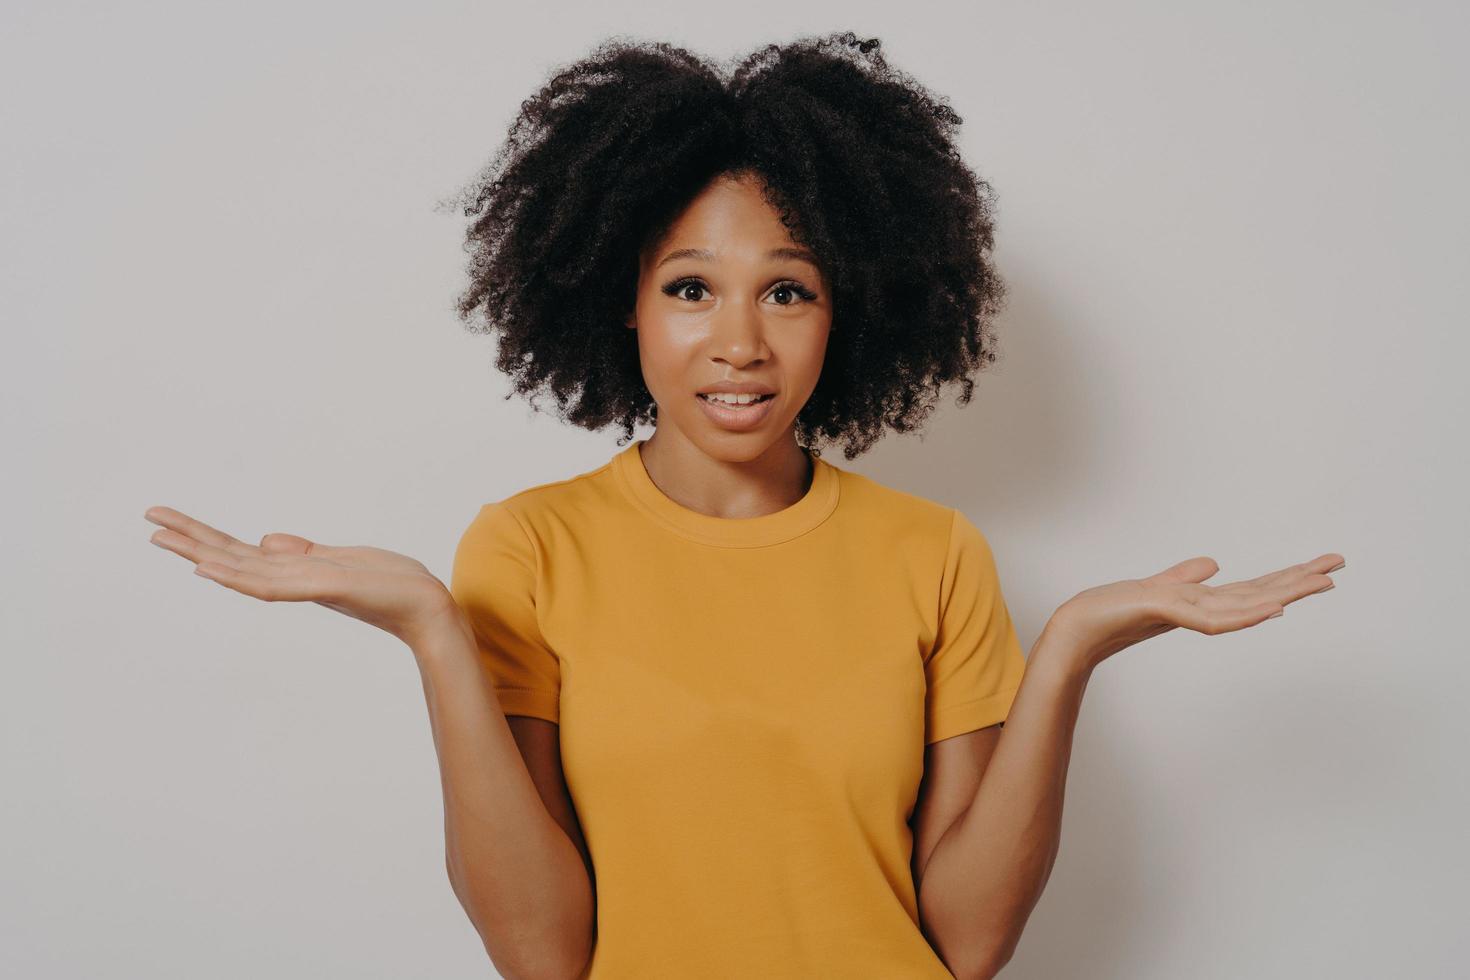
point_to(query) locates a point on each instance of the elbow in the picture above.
(982, 970)
(521, 954)
(529, 954)
(986, 962)
(537, 966)
(554, 946)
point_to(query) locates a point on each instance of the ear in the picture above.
(631, 321)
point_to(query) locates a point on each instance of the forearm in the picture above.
(518, 875)
(988, 871)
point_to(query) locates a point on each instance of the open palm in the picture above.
(1108, 618)
(383, 588)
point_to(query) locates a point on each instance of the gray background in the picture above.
(1236, 240)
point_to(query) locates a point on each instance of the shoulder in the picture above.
(539, 514)
(552, 492)
(518, 530)
(910, 534)
(895, 511)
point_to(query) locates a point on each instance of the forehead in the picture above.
(729, 219)
(777, 254)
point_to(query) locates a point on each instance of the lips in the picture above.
(759, 398)
(737, 418)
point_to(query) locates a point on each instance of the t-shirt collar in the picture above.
(730, 532)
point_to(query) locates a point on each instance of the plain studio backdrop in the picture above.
(1236, 240)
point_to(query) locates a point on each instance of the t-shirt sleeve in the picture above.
(494, 582)
(975, 666)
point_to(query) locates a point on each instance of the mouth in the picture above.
(755, 401)
(737, 417)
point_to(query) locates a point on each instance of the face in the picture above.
(728, 296)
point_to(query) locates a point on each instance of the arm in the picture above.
(987, 872)
(514, 851)
(521, 878)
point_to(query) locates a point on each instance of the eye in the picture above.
(787, 287)
(794, 288)
(679, 286)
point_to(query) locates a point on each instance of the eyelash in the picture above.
(679, 285)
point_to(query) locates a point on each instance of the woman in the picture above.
(719, 707)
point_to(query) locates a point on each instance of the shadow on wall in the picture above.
(1157, 803)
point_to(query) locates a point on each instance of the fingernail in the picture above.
(1324, 588)
(1275, 614)
(1337, 566)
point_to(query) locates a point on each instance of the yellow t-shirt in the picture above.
(743, 706)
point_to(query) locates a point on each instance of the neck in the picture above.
(733, 485)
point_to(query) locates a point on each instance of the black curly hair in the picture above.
(856, 156)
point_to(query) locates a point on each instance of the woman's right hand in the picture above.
(383, 588)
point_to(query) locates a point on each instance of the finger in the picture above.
(196, 551)
(1283, 593)
(297, 568)
(279, 584)
(182, 523)
(1215, 619)
(1320, 565)
(1290, 591)
(279, 542)
(1190, 570)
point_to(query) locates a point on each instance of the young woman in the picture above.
(718, 707)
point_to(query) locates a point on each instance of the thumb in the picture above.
(280, 543)
(1190, 570)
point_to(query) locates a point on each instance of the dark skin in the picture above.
(987, 819)
(749, 311)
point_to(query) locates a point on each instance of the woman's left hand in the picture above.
(1107, 618)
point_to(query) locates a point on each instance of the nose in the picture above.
(738, 334)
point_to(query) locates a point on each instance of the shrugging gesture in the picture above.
(522, 878)
(383, 588)
(1107, 618)
(987, 870)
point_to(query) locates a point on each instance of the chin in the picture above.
(731, 446)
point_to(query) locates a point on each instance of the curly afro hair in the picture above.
(857, 158)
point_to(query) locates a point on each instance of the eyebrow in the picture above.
(705, 254)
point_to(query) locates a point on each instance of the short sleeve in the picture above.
(494, 582)
(975, 666)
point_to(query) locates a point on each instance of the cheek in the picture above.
(665, 354)
(804, 356)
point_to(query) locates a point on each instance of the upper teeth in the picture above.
(730, 399)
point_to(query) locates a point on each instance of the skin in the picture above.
(991, 829)
(987, 820)
(737, 316)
